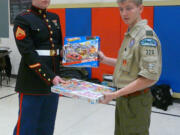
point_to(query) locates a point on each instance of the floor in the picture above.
(76, 117)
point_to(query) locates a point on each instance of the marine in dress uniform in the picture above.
(39, 40)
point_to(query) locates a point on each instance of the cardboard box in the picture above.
(81, 51)
(87, 91)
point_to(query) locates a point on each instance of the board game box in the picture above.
(88, 91)
(81, 51)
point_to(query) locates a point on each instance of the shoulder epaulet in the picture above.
(28, 11)
(149, 33)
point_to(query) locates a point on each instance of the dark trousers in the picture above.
(37, 114)
(132, 115)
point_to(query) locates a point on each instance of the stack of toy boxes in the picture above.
(81, 51)
(88, 91)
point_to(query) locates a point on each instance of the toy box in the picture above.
(81, 51)
(88, 91)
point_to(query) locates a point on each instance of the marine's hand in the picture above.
(58, 80)
(61, 53)
(107, 98)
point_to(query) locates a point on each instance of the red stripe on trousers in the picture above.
(19, 117)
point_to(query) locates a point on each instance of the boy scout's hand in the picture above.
(58, 80)
(107, 98)
(101, 56)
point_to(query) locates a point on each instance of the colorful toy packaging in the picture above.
(88, 91)
(81, 51)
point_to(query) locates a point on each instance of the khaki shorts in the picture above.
(132, 115)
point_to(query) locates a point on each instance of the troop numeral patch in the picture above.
(150, 52)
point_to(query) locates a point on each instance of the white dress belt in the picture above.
(47, 52)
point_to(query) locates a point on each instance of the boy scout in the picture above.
(138, 67)
(38, 37)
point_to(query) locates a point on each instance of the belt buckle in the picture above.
(52, 52)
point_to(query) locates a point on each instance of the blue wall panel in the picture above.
(166, 25)
(78, 23)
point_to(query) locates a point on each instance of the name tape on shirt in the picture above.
(148, 42)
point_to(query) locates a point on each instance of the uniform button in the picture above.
(51, 39)
(44, 75)
(40, 11)
(44, 16)
(52, 45)
(51, 32)
(28, 10)
(49, 79)
(49, 26)
(47, 20)
(39, 70)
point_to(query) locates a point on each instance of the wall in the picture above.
(9, 42)
(79, 1)
(105, 1)
(104, 22)
(14, 55)
(166, 25)
(161, 15)
(4, 25)
(107, 23)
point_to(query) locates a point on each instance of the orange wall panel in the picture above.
(61, 14)
(106, 24)
(148, 13)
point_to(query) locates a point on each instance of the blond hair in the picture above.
(137, 2)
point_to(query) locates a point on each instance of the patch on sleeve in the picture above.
(148, 42)
(20, 33)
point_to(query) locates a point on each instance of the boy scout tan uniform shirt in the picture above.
(139, 55)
